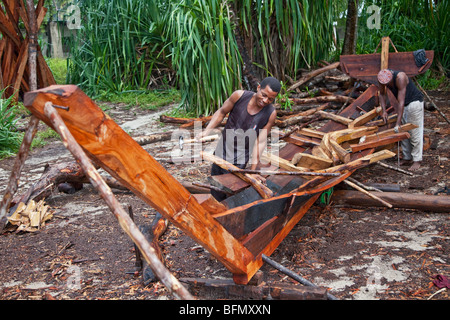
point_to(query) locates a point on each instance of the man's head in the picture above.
(268, 90)
(385, 76)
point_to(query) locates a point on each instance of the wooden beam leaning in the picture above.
(17, 169)
(124, 159)
(259, 187)
(125, 221)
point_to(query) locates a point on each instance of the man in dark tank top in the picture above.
(410, 110)
(250, 118)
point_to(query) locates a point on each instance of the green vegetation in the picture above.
(411, 25)
(201, 47)
(147, 100)
(59, 69)
(119, 47)
(10, 139)
(192, 45)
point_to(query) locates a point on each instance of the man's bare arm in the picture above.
(261, 143)
(401, 83)
(220, 114)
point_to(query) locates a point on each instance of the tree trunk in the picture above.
(397, 199)
(349, 46)
(32, 48)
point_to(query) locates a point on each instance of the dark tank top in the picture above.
(241, 131)
(412, 93)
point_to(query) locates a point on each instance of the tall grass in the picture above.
(10, 139)
(132, 45)
(119, 47)
(204, 53)
(287, 35)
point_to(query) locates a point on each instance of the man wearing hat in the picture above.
(410, 110)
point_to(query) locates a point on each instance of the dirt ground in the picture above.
(358, 253)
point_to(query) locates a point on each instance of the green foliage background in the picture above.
(200, 47)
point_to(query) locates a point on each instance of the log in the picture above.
(312, 74)
(49, 181)
(156, 137)
(226, 289)
(395, 168)
(334, 117)
(428, 203)
(185, 122)
(371, 195)
(293, 120)
(127, 224)
(323, 99)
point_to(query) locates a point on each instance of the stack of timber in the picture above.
(15, 29)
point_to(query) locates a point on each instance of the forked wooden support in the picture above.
(122, 216)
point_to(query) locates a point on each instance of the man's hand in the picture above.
(259, 178)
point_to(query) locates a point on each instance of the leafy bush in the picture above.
(9, 137)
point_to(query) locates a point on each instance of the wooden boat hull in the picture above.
(237, 235)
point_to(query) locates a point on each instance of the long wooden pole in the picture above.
(32, 127)
(32, 46)
(17, 169)
(125, 221)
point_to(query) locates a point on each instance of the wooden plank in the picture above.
(117, 153)
(319, 152)
(21, 63)
(312, 162)
(301, 141)
(281, 163)
(380, 142)
(358, 122)
(366, 66)
(7, 29)
(384, 53)
(382, 134)
(311, 133)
